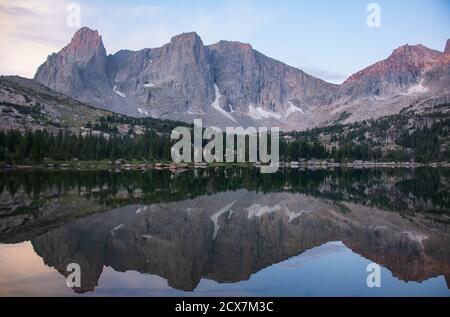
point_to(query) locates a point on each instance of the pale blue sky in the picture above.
(327, 38)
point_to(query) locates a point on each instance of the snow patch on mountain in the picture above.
(417, 89)
(140, 210)
(215, 217)
(121, 94)
(215, 105)
(117, 228)
(292, 109)
(294, 215)
(416, 237)
(257, 210)
(260, 114)
(141, 111)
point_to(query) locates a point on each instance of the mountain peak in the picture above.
(402, 69)
(447, 48)
(85, 40)
(186, 37)
(234, 44)
(413, 49)
(401, 55)
(418, 55)
(86, 54)
(86, 32)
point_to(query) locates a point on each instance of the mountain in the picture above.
(439, 73)
(79, 70)
(182, 80)
(399, 73)
(247, 78)
(230, 83)
(26, 104)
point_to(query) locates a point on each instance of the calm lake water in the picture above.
(225, 232)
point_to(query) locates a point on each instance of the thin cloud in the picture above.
(328, 75)
(13, 10)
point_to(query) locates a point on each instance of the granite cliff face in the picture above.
(248, 78)
(79, 70)
(438, 77)
(175, 78)
(230, 83)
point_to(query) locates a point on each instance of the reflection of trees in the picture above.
(423, 189)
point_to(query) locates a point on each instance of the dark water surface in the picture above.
(226, 232)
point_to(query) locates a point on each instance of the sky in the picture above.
(329, 39)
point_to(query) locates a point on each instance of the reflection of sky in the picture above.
(23, 273)
(329, 270)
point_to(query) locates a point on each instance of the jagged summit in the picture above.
(85, 42)
(78, 67)
(418, 56)
(86, 35)
(236, 44)
(400, 73)
(188, 36)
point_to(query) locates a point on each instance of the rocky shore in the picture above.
(120, 165)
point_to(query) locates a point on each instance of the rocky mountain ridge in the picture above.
(230, 83)
(28, 105)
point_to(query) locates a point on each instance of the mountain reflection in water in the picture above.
(224, 225)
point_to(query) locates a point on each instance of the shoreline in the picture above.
(174, 167)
